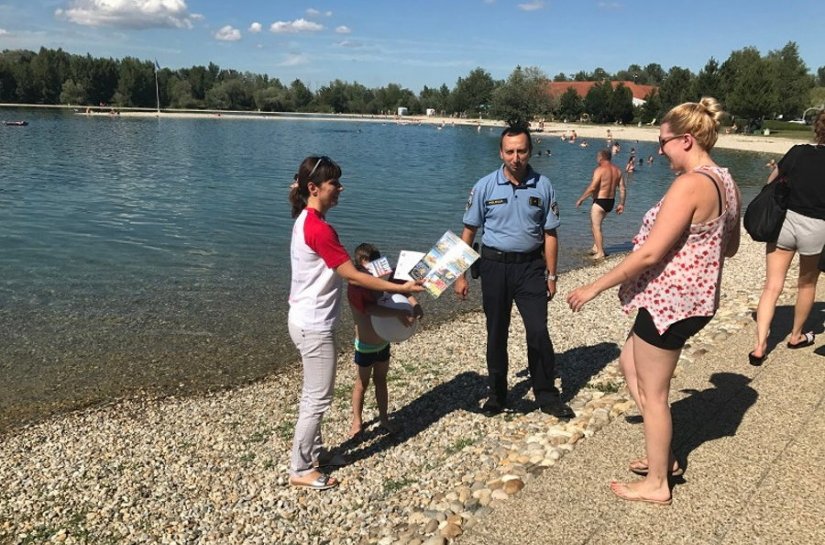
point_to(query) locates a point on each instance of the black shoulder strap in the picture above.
(715, 185)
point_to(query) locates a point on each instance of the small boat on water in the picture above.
(15, 123)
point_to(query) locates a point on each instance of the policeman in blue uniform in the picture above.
(516, 207)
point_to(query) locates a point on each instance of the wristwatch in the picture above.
(548, 276)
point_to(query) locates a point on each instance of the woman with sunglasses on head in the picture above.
(319, 265)
(803, 232)
(672, 280)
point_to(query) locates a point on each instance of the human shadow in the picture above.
(783, 321)
(575, 367)
(713, 413)
(462, 392)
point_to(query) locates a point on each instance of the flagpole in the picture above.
(157, 89)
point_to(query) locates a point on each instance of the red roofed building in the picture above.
(558, 88)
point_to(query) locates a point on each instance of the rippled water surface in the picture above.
(145, 255)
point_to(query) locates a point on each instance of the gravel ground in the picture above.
(213, 468)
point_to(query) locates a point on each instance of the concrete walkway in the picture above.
(754, 442)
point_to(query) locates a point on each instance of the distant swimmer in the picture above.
(584, 144)
(631, 165)
(616, 149)
(650, 160)
(606, 178)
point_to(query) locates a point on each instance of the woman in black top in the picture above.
(802, 232)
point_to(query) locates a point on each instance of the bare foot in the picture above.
(355, 430)
(640, 467)
(641, 491)
(598, 256)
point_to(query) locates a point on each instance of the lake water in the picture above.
(146, 256)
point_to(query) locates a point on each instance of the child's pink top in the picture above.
(685, 282)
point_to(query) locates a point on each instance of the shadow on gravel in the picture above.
(578, 365)
(463, 392)
(783, 321)
(713, 413)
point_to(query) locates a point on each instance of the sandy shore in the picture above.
(597, 134)
(213, 469)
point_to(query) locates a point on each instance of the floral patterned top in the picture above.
(685, 282)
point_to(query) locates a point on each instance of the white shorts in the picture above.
(803, 234)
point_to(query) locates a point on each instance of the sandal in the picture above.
(322, 482)
(807, 340)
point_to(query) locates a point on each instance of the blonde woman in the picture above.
(803, 232)
(671, 279)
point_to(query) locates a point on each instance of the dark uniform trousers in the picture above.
(524, 283)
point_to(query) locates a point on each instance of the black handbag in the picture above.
(766, 212)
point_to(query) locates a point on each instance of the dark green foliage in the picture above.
(749, 85)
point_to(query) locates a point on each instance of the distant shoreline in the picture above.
(621, 133)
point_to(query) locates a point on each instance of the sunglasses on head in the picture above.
(321, 159)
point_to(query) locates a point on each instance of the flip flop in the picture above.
(621, 490)
(756, 361)
(323, 482)
(808, 340)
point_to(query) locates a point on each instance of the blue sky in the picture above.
(413, 43)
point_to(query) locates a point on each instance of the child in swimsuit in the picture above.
(372, 353)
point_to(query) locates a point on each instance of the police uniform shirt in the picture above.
(514, 217)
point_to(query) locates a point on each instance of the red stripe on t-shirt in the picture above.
(322, 238)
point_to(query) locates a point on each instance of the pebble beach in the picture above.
(213, 469)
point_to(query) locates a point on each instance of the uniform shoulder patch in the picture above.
(470, 199)
(555, 209)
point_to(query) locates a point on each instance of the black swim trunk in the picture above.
(606, 204)
(366, 359)
(675, 337)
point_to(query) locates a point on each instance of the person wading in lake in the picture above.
(606, 178)
(319, 265)
(516, 206)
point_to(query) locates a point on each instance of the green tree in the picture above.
(651, 109)
(571, 105)
(620, 106)
(136, 83)
(581, 75)
(655, 73)
(597, 102)
(708, 82)
(676, 88)
(72, 93)
(791, 80)
(522, 97)
(472, 95)
(820, 76)
(181, 96)
(300, 95)
(560, 77)
(748, 85)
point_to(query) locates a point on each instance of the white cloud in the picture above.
(228, 34)
(349, 43)
(3, 31)
(129, 13)
(312, 12)
(343, 29)
(294, 27)
(255, 27)
(294, 59)
(532, 6)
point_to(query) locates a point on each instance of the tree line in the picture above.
(750, 85)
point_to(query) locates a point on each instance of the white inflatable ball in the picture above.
(390, 328)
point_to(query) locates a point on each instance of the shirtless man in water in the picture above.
(606, 177)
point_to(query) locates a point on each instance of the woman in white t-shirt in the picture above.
(319, 265)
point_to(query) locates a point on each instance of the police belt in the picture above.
(510, 257)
